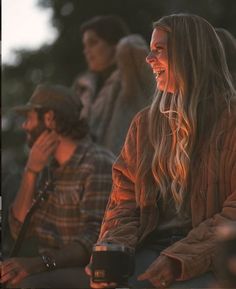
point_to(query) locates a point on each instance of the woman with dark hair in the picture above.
(118, 83)
(174, 183)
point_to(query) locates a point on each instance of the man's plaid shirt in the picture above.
(74, 209)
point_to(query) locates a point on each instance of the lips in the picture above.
(158, 71)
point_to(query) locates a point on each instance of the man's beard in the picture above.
(33, 135)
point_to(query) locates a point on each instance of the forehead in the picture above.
(90, 35)
(32, 114)
(159, 36)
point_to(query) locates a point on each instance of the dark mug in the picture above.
(112, 263)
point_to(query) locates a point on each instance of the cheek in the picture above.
(164, 60)
(108, 56)
(105, 52)
(102, 57)
(27, 126)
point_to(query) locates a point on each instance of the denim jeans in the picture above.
(60, 278)
(77, 278)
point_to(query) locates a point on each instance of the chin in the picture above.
(163, 88)
(160, 87)
(95, 69)
(91, 66)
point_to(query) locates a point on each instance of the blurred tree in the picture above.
(63, 60)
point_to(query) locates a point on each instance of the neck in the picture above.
(102, 76)
(65, 150)
(107, 72)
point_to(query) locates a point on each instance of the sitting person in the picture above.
(66, 223)
(174, 183)
(118, 82)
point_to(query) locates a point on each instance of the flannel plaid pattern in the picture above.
(74, 209)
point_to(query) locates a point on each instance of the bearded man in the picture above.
(66, 224)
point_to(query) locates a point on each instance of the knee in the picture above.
(34, 281)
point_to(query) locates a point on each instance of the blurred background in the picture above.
(41, 42)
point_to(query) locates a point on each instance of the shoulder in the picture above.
(141, 118)
(98, 155)
(100, 152)
(138, 131)
(89, 153)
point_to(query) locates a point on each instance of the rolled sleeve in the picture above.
(14, 224)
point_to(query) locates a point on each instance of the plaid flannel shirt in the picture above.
(74, 209)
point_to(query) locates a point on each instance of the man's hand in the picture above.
(42, 149)
(162, 272)
(14, 270)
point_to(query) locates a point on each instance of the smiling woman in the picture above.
(33, 27)
(158, 59)
(174, 180)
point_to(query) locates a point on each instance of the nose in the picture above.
(24, 125)
(84, 50)
(150, 58)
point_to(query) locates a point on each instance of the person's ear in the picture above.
(49, 119)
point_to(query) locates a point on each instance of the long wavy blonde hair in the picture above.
(180, 122)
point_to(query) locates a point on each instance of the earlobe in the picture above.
(49, 120)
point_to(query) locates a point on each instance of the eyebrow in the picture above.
(157, 44)
(161, 42)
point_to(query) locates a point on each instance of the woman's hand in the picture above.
(14, 270)
(162, 272)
